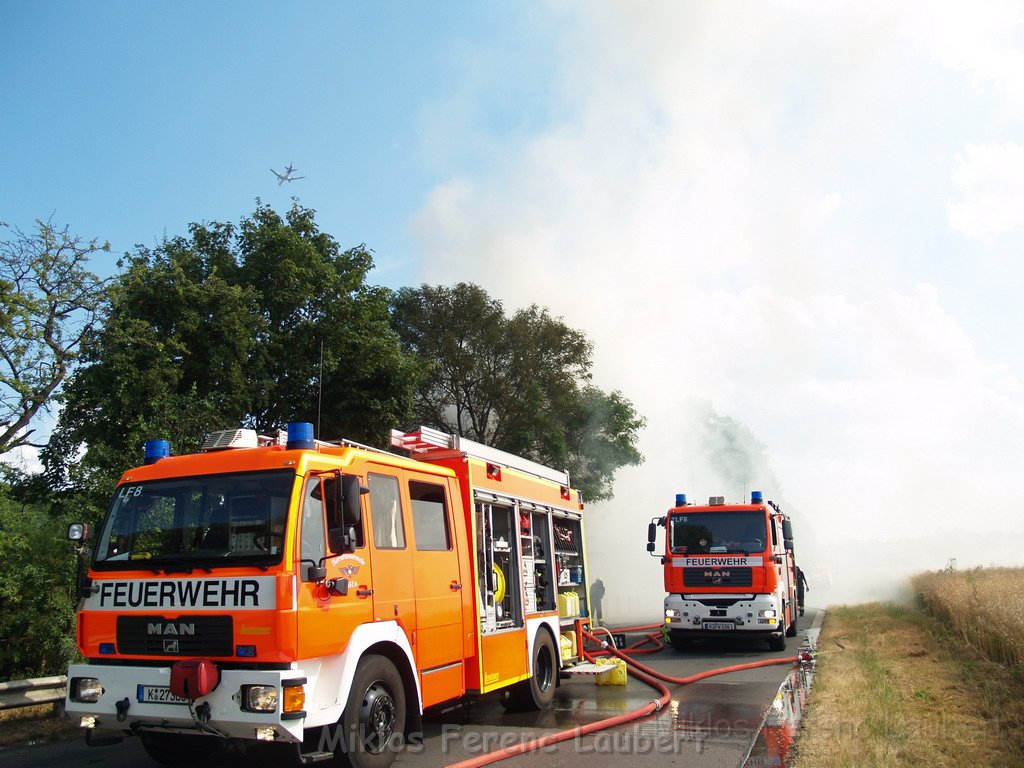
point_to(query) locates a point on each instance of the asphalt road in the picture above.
(711, 723)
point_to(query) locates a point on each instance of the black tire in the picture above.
(179, 749)
(777, 642)
(680, 641)
(538, 692)
(791, 629)
(373, 723)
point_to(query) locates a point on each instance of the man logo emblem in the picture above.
(717, 577)
(171, 645)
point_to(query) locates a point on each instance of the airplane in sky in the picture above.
(287, 175)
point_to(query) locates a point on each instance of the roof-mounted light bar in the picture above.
(230, 438)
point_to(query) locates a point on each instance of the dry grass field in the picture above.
(901, 686)
(983, 607)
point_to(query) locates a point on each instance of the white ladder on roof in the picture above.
(427, 440)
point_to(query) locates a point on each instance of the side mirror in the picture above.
(787, 529)
(316, 573)
(351, 490)
(79, 532)
(652, 533)
(789, 544)
(342, 540)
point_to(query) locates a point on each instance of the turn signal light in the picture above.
(294, 699)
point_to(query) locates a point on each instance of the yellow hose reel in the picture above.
(500, 584)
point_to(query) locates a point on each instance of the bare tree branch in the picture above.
(49, 302)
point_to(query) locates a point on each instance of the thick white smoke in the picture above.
(793, 216)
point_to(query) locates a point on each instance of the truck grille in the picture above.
(718, 577)
(181, 636)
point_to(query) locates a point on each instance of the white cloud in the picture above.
(25, 459)
(982, 39)
(990, 182)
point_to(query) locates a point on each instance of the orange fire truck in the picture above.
(730, 570)
(322, 595)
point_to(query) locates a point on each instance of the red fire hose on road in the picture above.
(641, 672)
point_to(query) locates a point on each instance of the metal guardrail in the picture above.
(28, 693)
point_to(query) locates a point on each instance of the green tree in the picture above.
(49, 302)
(313, 300)
(37, 597)
(521, 383)
(226, 327)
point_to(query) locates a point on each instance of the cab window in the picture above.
(386, 512)
(314, 545)
(429, 516)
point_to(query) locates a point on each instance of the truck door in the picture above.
(394, 591)
(439, 587)
(325, 618)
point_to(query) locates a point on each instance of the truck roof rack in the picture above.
(426, 441)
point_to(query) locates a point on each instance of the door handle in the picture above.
(364, 592)
(455, 586)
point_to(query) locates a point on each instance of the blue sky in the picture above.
(129, 120)
(807, 217)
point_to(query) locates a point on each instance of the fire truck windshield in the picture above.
(196, 522)
(706, 532)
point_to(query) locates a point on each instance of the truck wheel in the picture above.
(539, 691)
(777, 642)
(680, 641)
(374, 719)
(178, 749)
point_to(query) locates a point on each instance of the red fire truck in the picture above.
(730, 571)
(284, 590)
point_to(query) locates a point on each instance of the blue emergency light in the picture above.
(756, 497)
(680, 499)
(154, 450)
(300, 435)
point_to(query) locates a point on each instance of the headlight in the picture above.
(260, 698)
(671, 613)
(86, 690)
(769, 614)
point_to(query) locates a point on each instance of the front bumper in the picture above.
(714, 616)
(121, 686)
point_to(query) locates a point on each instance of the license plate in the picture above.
(719, 625)
(158, 694)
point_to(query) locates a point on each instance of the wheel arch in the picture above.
(332, 676)
(397, 656)
(535, 627)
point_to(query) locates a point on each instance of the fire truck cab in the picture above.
(730, 571)
(284, 590)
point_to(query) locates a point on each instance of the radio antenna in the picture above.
(320, 388)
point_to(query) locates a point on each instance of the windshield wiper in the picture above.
(176, 564)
